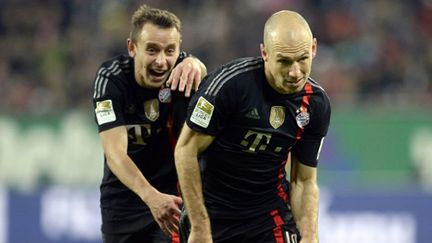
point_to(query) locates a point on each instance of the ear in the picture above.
(314, 47)
(131, 48)
(264, 54)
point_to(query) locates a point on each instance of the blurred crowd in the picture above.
(370, 52)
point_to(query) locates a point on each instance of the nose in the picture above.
(160, 59)
(294, 70)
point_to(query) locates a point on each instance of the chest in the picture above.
(267, 125)
(145, 111)
(142, 106)
(145, 118)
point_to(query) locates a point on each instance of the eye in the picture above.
(151, 50)
(284, 61)
(302, 59)
(170, 51)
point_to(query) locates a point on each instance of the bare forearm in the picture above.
(191, 188)
(304, 204)
(129, 174)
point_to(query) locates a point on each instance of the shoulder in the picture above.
(116, 65)
(183, 55)
(319, 100)
(113, 73)
(319, 93)
(231, 73)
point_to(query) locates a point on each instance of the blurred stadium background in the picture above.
(374, 59)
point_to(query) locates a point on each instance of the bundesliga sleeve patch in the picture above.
(202, 113)
(104, 112)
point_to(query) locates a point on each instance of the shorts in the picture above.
(277, 226)
(151, 234)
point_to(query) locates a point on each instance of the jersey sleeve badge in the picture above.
(202, 113)
(104, 112)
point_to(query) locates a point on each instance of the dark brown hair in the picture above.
(145, 14)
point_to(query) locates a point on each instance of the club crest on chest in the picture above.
(302, 117)
(165, 95)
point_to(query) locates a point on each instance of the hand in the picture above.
(165, 211)
(185, 76)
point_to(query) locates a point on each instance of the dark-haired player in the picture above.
(138, 119)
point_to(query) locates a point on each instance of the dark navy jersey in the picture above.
(255, 128)
(119, 101)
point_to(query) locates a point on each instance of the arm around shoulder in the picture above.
(199, 64)
(187, 75)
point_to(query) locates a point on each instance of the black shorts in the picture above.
(152, 234)
(275, 227)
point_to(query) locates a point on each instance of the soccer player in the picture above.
(245, 119)
(138, 119)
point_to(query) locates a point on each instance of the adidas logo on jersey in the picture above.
(253, 114)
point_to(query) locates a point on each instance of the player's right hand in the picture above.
(186, 76)
(165, 211)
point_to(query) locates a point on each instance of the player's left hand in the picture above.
(185, 76)
(165, 211)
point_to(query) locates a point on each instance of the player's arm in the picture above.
(304, 199)
(187, 75)
(162, 206)
(189, 146)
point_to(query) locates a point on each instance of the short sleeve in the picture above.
(108, 101)
(211, 106)
(308, 148)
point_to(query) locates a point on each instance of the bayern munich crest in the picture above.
(165, 95)
(302, 119)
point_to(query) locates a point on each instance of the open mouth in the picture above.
(157, 76)
(157, 73)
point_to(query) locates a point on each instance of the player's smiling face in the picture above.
(154, 54)
(288, 61)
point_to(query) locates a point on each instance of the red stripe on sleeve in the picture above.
(304, 105)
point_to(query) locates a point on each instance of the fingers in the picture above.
(197, 80)
(173, 79)
(179, 76)
(190, 80)
(172, 224)
(168, 215)
(189, 83)
(178, 200)
(169, 223)
(185, 77)
(169, 227)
